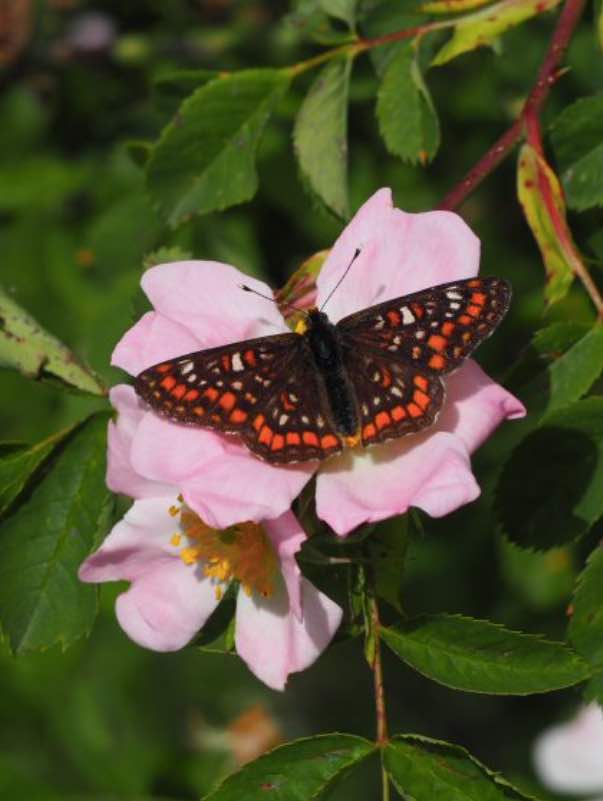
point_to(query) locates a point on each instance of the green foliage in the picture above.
(484, 26)
(320, 135)
(297, 771)
(407, 118)
(388, 546)
(423, 769)
(482, 657)
(17, 465)
(577, 136)
(344, 10)
(26, 347)
(586, 623)
(228, 116)
(541, 503)
(45, 539)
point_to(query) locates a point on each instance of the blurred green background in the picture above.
(107, 720)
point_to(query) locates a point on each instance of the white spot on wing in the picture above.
(407, 316)
(186, 367)
(237, 363)
(453, 295)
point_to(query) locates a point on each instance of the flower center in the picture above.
(242, 552)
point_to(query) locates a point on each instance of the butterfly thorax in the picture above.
(324, 342)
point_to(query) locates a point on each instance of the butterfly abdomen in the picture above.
(324, 341)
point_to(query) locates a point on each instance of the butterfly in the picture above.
(373, 376)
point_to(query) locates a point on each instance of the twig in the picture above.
(380, 710)
(547, 75)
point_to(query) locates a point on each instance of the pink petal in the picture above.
(151, 340)
(121, 475)
(475, 405)
(168, 601)
(167, 606)
(400, 253)
(274, 642)
(239, 487)
(431, 471)
(218, 477)
(138, 541)
(206, 297)
(287, 537)
(569, 757)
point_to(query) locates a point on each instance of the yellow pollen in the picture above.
(301, 326)
(243, 553)
(174, 511)
(176, 539)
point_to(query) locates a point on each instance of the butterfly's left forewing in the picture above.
(433, 330)
(262, 389)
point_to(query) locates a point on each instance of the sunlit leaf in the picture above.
(344, 10)
(320, 135)
(25, 346)
(423, 769)
(484, 26)
(483, 657)
(544, 207)
(577, 136)
(300, 289)
(551, 489)
(298, 771)
(407, 118)
(43, 542)
(205, 158)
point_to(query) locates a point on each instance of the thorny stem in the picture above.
(380, 711)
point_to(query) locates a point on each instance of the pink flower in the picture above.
(198, 304)
(569, 757)
(178, 569)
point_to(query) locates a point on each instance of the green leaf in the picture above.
(541, 197)
(320, 135)
(344, 10)
(423, 769)
(567, 378)
(388, 546)
(43, 542)
(586, 624)
(551, 489)
(25, 346)
(205, 158)
(171, 87)
(483, 657)
(577, 137)
(484, 26)
(297, 771)
(16, 468)
(407, 118)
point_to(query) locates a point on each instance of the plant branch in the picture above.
(547, 75)
(380, 710)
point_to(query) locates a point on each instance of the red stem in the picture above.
(547, 75)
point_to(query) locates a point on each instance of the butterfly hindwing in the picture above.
(433, 330)
(293, 424)
(393, 399)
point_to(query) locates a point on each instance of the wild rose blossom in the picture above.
(199, 304)
(178, 569)
(568, 757)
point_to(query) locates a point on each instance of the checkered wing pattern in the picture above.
(393, 398)
(433, 330)
(261, 389)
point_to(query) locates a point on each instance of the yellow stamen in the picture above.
(242, 552)
(174, 511)
(301, 326)
(176, 539)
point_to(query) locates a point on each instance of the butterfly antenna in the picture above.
(347, 270)
(246, 288)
